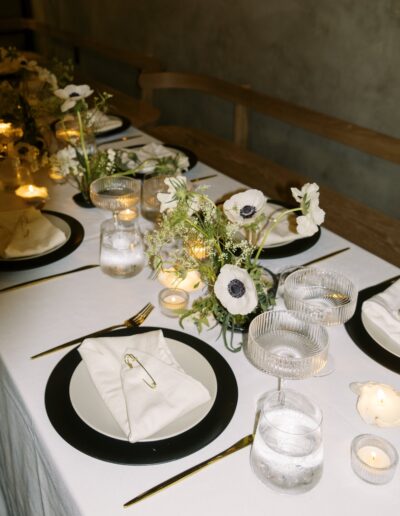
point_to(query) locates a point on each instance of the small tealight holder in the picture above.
(373, 459)
(172, 301)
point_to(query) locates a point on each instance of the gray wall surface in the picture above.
(339, 57)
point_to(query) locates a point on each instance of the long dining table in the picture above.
(41, 474)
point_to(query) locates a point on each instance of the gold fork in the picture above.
(134, 321)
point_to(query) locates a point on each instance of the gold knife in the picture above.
(39, 280)
(316, 260)
(242, 443)
(197, 179)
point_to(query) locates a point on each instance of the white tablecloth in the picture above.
(43, 475)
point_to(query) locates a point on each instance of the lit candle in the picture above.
(67, 134)
(127, 215)
(9, 132)
(378, 404)
(373, 459)
(32, 193)
(198, 250)
(56, 176)
(173, 301)
(169, 278)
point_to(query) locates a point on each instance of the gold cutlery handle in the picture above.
(242, 443)
(76, 341)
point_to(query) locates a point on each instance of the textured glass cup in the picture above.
(115, 193)
(286, 345)
(326, 297)
(373, 459)
(121, 249)
(287, 452)
(150, 204)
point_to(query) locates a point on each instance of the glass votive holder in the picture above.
(173, 301)
(373, 459)
(121, 249)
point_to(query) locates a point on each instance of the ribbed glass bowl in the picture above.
(286, 345)
(115, 193)
(327, 297)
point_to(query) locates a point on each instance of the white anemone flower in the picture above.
(243, 208)
(72, 94)
(235, 290)
(312, 215)
(177, 189)
(67, 161)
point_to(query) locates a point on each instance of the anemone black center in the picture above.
(236, 288)
(247, 211)
(74, 94)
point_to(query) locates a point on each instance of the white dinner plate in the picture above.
(90, 407)
(116, 124)
(380, 337)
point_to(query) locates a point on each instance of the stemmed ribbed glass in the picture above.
(287, 345)
(115, 193)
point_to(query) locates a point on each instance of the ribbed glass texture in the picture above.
(286, 345)
(115, 193)
(373, 459)
(326, 297)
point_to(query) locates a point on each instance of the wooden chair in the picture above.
(245, 99)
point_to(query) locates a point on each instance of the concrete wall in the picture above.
(340, 57)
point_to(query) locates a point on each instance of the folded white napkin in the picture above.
(27, 233)
(150, 153)
(102, 122)
(140, 410)
(284, 232)
(382, 313)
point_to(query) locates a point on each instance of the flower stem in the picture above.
(83, 146)
(271, 227)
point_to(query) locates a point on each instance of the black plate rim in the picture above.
(190, 155)
(295, 247)
(126, 123)
(87, 440)
(74, 241)
(362, 339)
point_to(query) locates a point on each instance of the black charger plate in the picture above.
(84, 438)
(295, 247)
(30, 262)
(363, 339)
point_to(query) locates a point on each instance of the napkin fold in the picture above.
(284, 232)
(102, 122)
(27, 233)
(382, 313)
(140, 410)
(152, 152)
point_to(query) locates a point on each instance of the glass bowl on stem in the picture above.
(115, 193)
(285, 344)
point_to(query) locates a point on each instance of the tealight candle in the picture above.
(56, 176)
(373, 459)
(173, 301)
(67, 134)
(127, 215)
(32, 193)
(378, 404)
(169, 278)
(198, 250)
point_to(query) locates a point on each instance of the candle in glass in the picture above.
(173, 301)
(32, 193)
(198, 250)
(373, 459)
(169, 278)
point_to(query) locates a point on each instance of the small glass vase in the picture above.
(68, 132)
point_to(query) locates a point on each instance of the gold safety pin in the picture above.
(130, 359)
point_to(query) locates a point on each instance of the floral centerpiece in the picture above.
(236, 286)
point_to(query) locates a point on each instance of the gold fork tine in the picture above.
(135, 320)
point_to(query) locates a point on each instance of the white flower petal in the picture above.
(243, 208)
(230, 279)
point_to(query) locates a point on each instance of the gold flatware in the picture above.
(316, 260)
(197, 179)
(123, 139)
(46, 278)
(242, 443)
(134, 321)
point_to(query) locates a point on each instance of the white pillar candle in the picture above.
(169, 278)
(378, 404)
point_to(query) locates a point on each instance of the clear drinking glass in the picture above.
(68, 133)
(150, 204)
(286, 345)
(327, 297)
(121, 249)
(287, 453)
